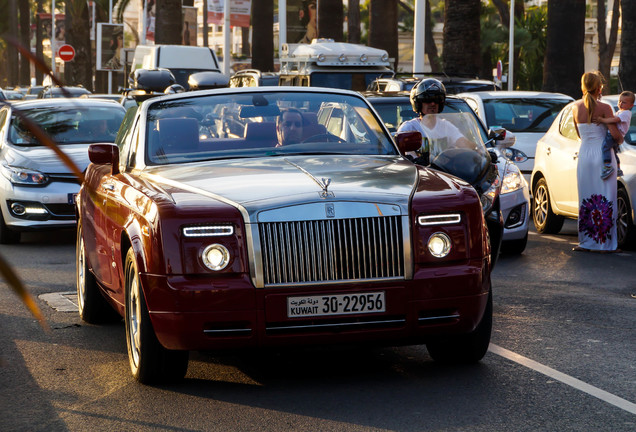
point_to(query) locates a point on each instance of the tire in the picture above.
(465, 349)
(93, 307)
(150, 362)
(8, 236)
(515, 247)
(545, 221)
(625, 230)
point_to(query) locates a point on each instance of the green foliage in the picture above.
(531, 42)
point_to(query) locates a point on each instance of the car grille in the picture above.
(332, 250)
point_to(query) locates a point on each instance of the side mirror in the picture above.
(504, 136)
(104, 154)
(408, 141)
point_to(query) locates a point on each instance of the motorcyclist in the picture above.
(428, 97)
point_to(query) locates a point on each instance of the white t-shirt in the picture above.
(443, 130)
(626, 119)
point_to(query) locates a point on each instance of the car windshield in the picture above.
(69, 125)
(523, 114)
(262, 124)
(358, 81)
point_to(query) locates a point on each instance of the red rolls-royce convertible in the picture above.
(276, 216)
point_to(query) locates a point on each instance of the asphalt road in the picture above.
(563, 357)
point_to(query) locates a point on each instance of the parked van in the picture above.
(181, 60)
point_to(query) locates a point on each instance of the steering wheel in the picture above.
(328, 137)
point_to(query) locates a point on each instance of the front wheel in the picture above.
(93, 307)
(468, 348)
(515, 247)
(545, 221)
(8, 236)
(150, 362)
(625, 231)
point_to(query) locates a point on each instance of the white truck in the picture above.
(325, 63)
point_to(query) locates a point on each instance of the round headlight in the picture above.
(216, 257)
(439, 245)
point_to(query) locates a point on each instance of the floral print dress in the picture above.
(597, 197)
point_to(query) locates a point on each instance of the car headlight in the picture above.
(215, 257)
(24, 176)
(489, 196)
(439, 244)
(513, 180)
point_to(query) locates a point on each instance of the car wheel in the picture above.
(545, 221)
(93, 307)
(515, 247)
(150, 362)
(625, 231)
(468, 348)
(8, 236)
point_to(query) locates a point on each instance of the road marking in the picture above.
(559, 239)
(565, 379)
(61, 301)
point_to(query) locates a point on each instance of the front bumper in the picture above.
(515, 209)
(196, 314)
(47, 207)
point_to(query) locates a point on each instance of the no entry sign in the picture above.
(66, 53)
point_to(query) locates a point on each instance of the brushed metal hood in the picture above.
(253, 185)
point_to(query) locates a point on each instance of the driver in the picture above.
(428, 97)
(289, 127)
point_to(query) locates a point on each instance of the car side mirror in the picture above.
(104, 154)
(408, 141)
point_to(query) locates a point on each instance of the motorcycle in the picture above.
(466, 157)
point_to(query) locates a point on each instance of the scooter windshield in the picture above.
(455, 145)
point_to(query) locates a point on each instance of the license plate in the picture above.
(71, 198)
(337, 304)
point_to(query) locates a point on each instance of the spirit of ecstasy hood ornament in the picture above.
(324, 184)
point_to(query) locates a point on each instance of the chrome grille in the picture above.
(332, 250)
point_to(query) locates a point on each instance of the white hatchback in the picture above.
(528, 114)
(554, 185)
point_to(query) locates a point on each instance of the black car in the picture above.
(62, 92)
(453, 84)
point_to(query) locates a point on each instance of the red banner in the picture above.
(239, 12)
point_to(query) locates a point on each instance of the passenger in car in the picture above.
(289, 127)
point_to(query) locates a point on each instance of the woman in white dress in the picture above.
(597, 197)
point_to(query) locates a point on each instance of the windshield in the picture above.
(358, 81)
(523, 114)
(262, 124)
(69, 125)
(454, 143)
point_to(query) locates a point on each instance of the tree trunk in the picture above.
(245, 41)
(12, 51)
(263, 35)
(606, 47)
(330, 16)
(25, 41)
(353, 22)
(168, 22)
(462, 34)
(38, 41)
(627, 66)
(383, 31)
(79, 71)
(564, 61)
(430, 49)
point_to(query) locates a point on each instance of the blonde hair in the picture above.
(591, 84)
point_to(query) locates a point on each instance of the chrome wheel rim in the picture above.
(133, 315)
(81, 269)
(540, 205)
(621, 219)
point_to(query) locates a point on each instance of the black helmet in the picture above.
(428, 90)
(174, 88)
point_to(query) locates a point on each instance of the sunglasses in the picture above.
(292, 123)
(435, 99)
